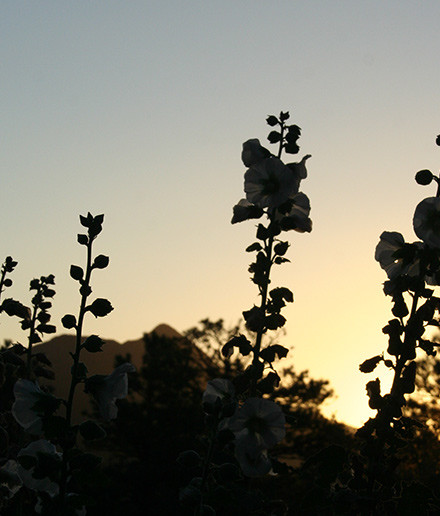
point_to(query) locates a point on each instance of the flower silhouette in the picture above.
(259, 424)
(269, 183)
(107, 389)
(427, 221)
(31, 405)
(40, 451)
(389, 253)
(253, 152)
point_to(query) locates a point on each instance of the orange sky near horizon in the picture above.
(138, 110)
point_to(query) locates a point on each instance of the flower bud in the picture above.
(424, 177)
(100, 307)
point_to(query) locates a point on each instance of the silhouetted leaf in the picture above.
(69, 321)
(281, 248)
(254, 318)
(279, 260)
(272, 120)
(101, 262)
(370, 365)
(100, 307)
(373, 392)
(82, 239)
(274, 136)
(282, 293)
(76, 272)
(93, 344)
(256, 246)
(46, 328)
(275, 321)
(271, 352)
(408, 379)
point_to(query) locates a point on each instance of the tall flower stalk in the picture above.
(272, 191)
(99, 308)
(412, 270)
(236, 412)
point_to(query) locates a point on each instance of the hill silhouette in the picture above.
(57, 351)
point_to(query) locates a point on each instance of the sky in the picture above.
(138, 110)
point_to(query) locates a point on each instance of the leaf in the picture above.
(282, 293)
(101, 262)
(189, 459)
(81, 371)
(256, 246)
(86, 221)
(370, 364)
(254, 318)
(93, 344)
(281, 248)
(239, 341)
(272, 120)
(274, 136)
(76, 272)
(269, 383)
(69, 321)
(408, 379)
(373, 392)
(271, 352)
(279, 260)
(46, 328)
(263, 233)
(82, 239)
(275, 321)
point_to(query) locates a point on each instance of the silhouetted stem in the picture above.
(263, 306)
(85, 286)
(79, 326)
(2, 280)
(31, 341)
(206, 468)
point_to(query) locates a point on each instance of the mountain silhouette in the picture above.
(58, 352)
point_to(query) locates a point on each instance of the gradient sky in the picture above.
(138, 110)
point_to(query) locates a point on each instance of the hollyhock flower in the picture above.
(219, 395)
(259, 417)
(107, 389)
(218, 389)
(258, 425)
(31, 477)
(31, 404)
(299, 169)
(245, 210)
(269, 183)
(252, 456)
(297, 217)
(426, 221)
(253, 152)
(389, 244)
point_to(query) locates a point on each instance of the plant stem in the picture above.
(31, 341)
(206, 468)
(85, 286)
(263, 306)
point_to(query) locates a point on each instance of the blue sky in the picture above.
(138, 110)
